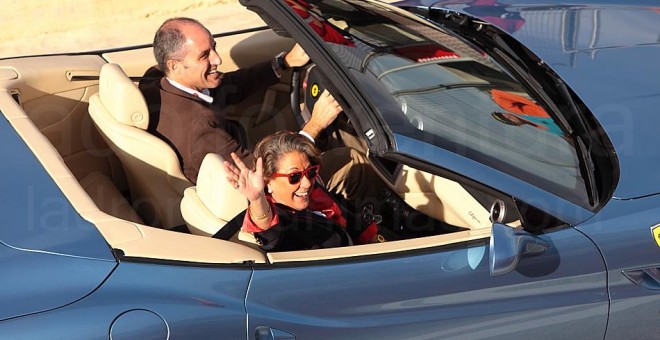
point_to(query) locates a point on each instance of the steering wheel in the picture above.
(306, 83)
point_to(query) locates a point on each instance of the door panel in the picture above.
(630, 247)
(442, 292)
(191, 303)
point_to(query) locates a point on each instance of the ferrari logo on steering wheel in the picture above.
(315, 90)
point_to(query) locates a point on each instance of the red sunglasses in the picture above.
(294, 177)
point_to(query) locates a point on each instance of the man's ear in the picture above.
(172, 66)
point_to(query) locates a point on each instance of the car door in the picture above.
(434, 292)
(439, 286)
(628, 234)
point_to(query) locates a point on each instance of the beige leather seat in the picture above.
(155, 179)
(207, 207)
(107, 198)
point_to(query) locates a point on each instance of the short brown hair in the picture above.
(274, 146)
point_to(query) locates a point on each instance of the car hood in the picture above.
(608, 54)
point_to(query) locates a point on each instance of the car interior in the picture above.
(84, 119)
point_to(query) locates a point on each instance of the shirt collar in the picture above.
(205, 95)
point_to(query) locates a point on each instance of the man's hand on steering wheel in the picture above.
(296, 57)
(326, 109)
(311, 89)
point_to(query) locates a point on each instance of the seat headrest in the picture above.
(213, 189)
(122, 98)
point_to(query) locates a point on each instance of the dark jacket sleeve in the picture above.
(214, 135)
(239, 84)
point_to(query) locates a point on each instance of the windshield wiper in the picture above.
(566, 95)
(585, 149)
(536, 89)
(426, 89)
(588, 169)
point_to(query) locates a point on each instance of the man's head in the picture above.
(185, 52)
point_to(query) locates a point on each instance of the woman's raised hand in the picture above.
(250, 183)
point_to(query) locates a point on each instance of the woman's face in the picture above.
(295, 196)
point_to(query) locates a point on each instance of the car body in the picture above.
(548, 228)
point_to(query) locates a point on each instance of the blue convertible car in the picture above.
(518, 140)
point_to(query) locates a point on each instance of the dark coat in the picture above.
(193, 127)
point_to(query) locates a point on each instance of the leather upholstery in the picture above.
(156, 182)
(207, 207)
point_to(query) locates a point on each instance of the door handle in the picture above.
(267, 333)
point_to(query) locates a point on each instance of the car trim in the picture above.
(416, 244)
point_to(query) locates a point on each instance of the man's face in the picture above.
(197, 69)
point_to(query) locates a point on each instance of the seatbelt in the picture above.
(231, 228)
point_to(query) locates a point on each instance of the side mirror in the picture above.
(508, 245)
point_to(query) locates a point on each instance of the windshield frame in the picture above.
(374, 106)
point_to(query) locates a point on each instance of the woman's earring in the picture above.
(269, 190)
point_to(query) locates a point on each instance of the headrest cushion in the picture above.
(122, 98)
(213, 189)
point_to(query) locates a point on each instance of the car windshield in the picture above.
(450, 93)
